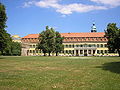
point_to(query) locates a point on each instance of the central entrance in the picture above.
(85, 52)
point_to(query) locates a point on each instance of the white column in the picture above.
(79, 52)
(74, 52)
(92, 52)
(83, 52)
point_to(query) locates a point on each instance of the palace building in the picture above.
(75, 44)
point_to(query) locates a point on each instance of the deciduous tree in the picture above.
(47, 40)
(113, 35)
(5, 38)
(50, 41)
(58, 43)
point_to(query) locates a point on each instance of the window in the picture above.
(33, 51)
(40, 51)
(77, 45)
(101, 51)
(89, 51)
(36, 51)
(98, 51)
(30, 51)
(66, 51)
(89, 45)
(93, 45)
(73, 45)
(105, 51)
(98, 45)
(105, 45)
(66, 46)
(85, 45)
(33, 46)
(81, 45)
(101, 45)
(70, 51)
(69, 46)
(81, 51)
(73, 51)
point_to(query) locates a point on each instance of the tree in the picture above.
(50, 34)
(113, 35)
(42, 45)
(58, 43)
(5, 38)
(50, 41)
(47, 41)
(16, 48)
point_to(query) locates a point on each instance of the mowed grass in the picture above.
(59, 73)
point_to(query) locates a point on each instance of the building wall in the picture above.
(75, 44)
(69, 49)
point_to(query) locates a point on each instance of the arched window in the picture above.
(73, 45)
(69, 46)
(97, 45)
(30, 51)
(66, 51)
(33, 46)
(77, 45)
(66, 46)
(101, 45)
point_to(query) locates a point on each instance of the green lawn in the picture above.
(60, 73)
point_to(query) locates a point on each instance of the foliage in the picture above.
(113, 35)
(13, 49)
(7, 47)
(16, 49)
(4, 36)
(49, 41)
(58, 43)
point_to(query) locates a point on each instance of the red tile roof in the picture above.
(31, 36)
(72, 37)
(89, 34)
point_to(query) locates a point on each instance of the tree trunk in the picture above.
(118, 52)
(44, 54)
(49, 53)
(56, 53)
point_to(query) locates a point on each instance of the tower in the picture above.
(93, 28)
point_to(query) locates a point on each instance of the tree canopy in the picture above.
(50, 41)
(7, 47)
(113, 35)
(58, 43)
(5, 38)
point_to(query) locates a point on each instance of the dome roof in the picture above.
(15, 36)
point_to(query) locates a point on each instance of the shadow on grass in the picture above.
(1, 57)
(112, 67)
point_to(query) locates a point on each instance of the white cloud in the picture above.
(66, 9)
(48, 3)
(69, 9)
(28, 4)
(113, 3)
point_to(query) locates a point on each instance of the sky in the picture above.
(66, 16)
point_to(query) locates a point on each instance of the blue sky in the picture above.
(31, 16)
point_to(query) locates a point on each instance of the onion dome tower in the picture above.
(93, 28)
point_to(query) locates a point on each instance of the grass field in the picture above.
(59, 73)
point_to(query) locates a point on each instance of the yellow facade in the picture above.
(87, 49)
(75, 44)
